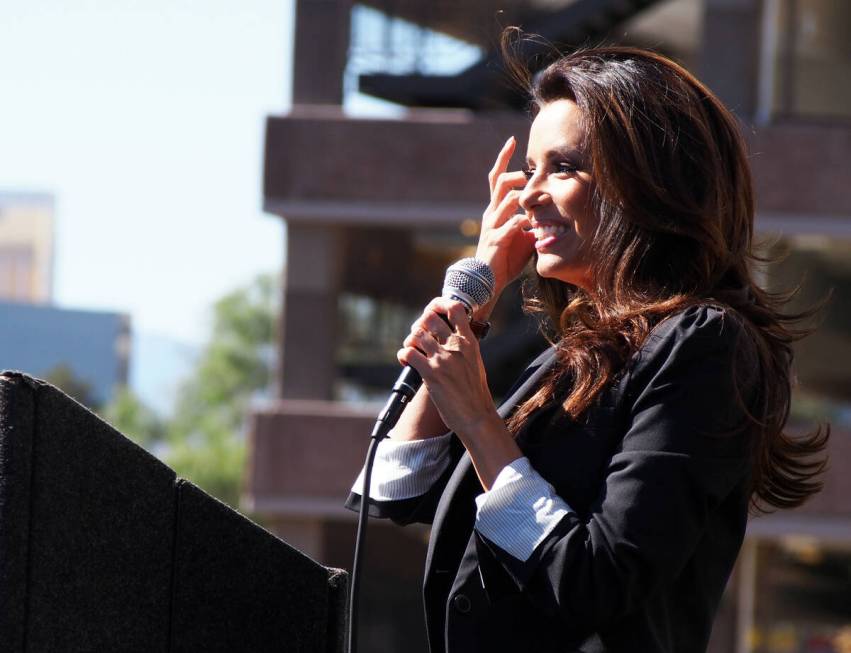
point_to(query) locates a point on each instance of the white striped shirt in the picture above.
(516, 514)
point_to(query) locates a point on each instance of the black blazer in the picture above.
(657, 473)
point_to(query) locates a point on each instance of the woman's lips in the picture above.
(547, 233)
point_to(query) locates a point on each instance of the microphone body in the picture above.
(468, 281)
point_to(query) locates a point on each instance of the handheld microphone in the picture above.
(469, 281)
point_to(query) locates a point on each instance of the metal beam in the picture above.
(484, 85)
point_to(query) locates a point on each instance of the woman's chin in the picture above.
(560, 270)
(550, 266)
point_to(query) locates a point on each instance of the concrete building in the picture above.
(26, 247)
(375, 209)
(91, 348)
(87, 347)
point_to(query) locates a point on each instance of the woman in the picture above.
(601, 508)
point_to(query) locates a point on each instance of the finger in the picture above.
(459, 319)
(438, 328)
(504, 183)
(517, 222)
(410, 356)
(423, 341)
(502, 160)
(440, 307)
(506, 208)
(435, 306)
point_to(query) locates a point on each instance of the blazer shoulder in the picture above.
(707, 348)
(708, 327)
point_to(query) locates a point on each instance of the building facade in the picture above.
(84, 352)
(376, 208)
(26, 247)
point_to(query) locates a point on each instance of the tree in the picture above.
(128, 414)
(204, 439)
(64, 378)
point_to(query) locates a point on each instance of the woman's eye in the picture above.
(528, 173)
(567, 168)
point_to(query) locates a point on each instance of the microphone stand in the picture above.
(470, 282)
(378, 434)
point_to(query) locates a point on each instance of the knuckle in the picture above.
(512, 196)
(434, 323)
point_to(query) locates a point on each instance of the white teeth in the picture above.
(547, 230)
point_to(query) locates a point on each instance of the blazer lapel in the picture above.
(533, 375)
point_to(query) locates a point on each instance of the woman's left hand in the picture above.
(450, 363)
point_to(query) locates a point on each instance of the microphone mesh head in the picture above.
(470, 281)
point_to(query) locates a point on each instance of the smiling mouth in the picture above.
(546, 233)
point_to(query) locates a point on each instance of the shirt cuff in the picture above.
(519, 510)
(406, 468)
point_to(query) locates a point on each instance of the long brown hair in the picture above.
(674, 195)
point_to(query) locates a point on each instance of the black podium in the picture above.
(103, 548)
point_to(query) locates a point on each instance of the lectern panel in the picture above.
(238, 587)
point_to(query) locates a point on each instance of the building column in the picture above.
(746, 594)
(321, 50)
(730, 52)
(308, 327)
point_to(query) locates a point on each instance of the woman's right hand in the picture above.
(504, 243)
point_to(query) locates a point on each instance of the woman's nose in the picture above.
(533, 195)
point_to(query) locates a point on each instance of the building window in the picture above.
(820, 266)
(806, 59)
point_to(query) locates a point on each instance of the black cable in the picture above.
(471, 282)
(359, 540)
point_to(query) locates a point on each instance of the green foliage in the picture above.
(234, 365)
(203, 441)
(63, 377)
(214, 462)
(204, 438)
(128, 414)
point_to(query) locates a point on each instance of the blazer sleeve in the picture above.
(685, 449)
(419, 509)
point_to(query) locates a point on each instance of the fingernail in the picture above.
(510, 138)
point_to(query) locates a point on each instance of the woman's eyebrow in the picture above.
(572, 154)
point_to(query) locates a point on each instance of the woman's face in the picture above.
(557, 196)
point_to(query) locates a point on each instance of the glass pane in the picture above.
(388, 277)
(813, 58)
(821, 267)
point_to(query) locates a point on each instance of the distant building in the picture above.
(90, 346)
(26, 247)
(89, 349)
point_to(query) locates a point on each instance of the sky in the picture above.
(145, 120)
